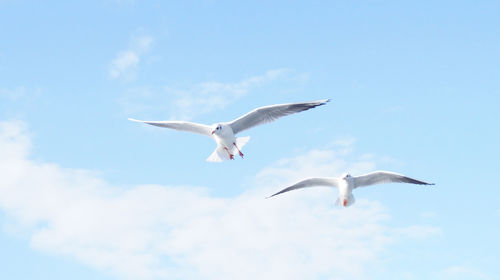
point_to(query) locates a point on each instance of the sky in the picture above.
(87, 194)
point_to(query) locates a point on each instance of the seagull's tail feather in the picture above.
(242, 141)
(218, 155)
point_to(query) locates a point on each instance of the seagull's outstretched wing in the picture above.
(180, 125)
(381, 177)
(311, 182)
(270, 113)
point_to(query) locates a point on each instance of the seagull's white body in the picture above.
(347, 183)
(226, 139)
(224, 133)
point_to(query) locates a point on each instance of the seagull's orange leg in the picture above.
(241, 154)
(230, 155)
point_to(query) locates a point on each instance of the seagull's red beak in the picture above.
(345, 202)
(213, 131)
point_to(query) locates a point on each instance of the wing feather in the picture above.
(270, 113)
(381, 177)
(180, 125)
(311, 182)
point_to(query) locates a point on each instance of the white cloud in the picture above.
(197, 100)
(126, 62)
(182, 232)
(211, 96)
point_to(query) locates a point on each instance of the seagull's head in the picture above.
(216, 129)
(346, 176)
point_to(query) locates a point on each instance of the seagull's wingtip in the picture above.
(319, 102)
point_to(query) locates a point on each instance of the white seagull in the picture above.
(224, 132)
(347, 183)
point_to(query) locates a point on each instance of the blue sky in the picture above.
(87, 194)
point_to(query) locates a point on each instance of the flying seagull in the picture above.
(224, 132)
(347, 183)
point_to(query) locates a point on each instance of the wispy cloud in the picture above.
(211, 96)
(126, 62)
(147, 231)
(197, 100)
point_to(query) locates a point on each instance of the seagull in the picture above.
(347, 183)
(224, 132)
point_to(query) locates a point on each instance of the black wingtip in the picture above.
(318, 103)
(324, 101)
